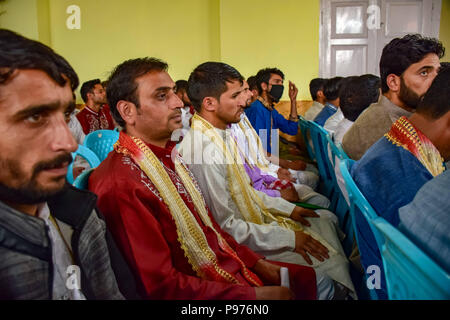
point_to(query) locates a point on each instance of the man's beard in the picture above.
(30, 192)
(408, 96)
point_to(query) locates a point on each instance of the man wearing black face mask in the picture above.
(264, 118)
(262, 114)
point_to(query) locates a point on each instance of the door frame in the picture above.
(324, 30)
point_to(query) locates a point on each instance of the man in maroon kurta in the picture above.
(142, 223)
(96, 114)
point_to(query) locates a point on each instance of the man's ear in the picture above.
(264, 86)
(209, 104)
(128, 111)
(320, 94)
(393, 82)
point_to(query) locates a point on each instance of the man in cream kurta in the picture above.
(205, 153)
(271, 240)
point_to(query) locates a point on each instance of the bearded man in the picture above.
(408, 66)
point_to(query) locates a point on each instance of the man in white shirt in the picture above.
(265, 224)
(316, 89)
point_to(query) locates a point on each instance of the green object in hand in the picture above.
(308, 206)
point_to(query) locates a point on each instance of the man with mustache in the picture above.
(157, 213)
(408, 65)
(52, 244)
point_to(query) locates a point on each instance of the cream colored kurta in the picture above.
(307, 180)
(271, 240)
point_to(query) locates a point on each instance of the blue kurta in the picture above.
(389, 177)
(260, 117)
(327, 111)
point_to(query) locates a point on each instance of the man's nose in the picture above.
(63, 139)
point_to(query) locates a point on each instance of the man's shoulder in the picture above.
(115, 173)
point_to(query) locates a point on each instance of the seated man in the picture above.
(262, 114)
(267, 178)
(265, 119)
(96, 114)
(399, 164)
(332, 123)
(408, 65)
(265, 224)
(51, 234)
(331, 92)
(355, 96)
(188, 110)
(316, 87)
(158, 215)
(426, 220)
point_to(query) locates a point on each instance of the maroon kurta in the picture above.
(91, 121)
(145, 231)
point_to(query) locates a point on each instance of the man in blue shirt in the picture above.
(331, 92)
(261, 113)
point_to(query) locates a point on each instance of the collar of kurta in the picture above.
(265, 103)
(404, 134)
(163, 154)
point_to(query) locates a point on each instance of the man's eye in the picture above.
(35, 118)
(161, 96)
(424, 73)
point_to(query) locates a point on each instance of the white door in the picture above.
(354, 32)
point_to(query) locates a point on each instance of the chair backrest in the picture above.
(410, 273)
(81, 182)
(101, 142)
(85, 153)
(320, 142)
(342, 208)
(357, 200)
(305, 130)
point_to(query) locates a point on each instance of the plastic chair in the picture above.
(320, 142)
(410, 273)
(357, 200)
(81, 182)
(101, 142)
(305, 130)
(85, 153)
(342, 209)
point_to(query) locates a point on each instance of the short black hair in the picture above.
(122, 82)
(181, 85)
(331, 88)
(357, 93)
(252, 83)
(210, 80)
(18, 52)
(400, 53)
(436, 101)
(264, 75)
(87, 87)
(315, 85)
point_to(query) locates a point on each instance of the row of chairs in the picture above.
(96, 147)
(409, 272)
